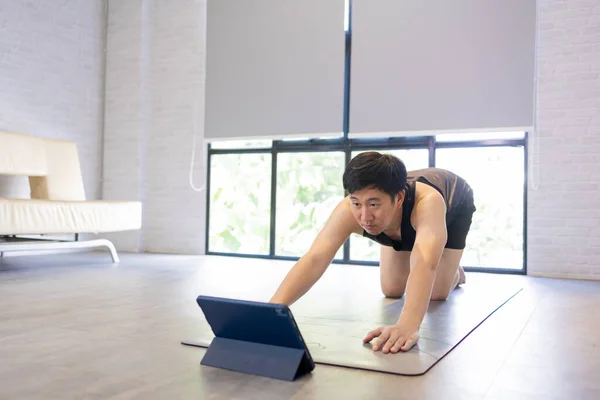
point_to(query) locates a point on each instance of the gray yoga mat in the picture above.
(337, 339)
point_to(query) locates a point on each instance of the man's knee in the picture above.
(439, 295)
(393, 291)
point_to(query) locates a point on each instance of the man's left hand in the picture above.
(393, 338)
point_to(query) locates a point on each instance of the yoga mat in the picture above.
(337, 339)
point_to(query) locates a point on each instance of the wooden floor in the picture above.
(77, 327)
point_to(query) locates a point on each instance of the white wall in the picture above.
(564, 207)
(124, 129)
(154, 99)
(52, 78)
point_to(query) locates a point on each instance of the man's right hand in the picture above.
(298, 281)
(309, 269)
(393, 338)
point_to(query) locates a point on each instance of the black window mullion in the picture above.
(525, 186)
(207, 230)
(432, 151)
(348, 153)
(273, 201)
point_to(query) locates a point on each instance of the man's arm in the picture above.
(429, 221)
(310, 267)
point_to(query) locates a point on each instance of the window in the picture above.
(496, 236)
(240, 203)
(309, 187)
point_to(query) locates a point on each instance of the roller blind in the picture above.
(274, 69)
(442, 66)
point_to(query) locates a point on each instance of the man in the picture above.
(421, 220)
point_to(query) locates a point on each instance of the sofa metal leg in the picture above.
(111, 248)
(41, 245)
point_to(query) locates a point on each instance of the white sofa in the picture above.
(57, 203)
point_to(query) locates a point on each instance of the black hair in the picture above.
(372, 169)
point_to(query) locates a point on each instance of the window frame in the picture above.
(347, 146)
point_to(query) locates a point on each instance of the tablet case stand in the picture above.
(277, 362)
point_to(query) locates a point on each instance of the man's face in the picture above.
(374, 209)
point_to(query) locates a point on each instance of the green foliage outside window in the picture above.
(309, 186)
(240, 203)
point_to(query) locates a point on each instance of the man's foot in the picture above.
(461, 273)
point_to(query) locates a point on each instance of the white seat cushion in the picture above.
(32, 217)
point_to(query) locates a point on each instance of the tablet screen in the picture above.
(257, 322)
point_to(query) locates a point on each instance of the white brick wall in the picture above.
(52, 78)
(564, 205)
(125, 111)
(154, 98)
(175, 221)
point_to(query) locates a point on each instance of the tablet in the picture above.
(251, 324)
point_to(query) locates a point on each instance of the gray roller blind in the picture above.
(442, 66)
(275, 68)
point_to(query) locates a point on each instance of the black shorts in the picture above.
(459, 227)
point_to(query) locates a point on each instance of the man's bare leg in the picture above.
(394, 269)
(448, 274)
(462, 278)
